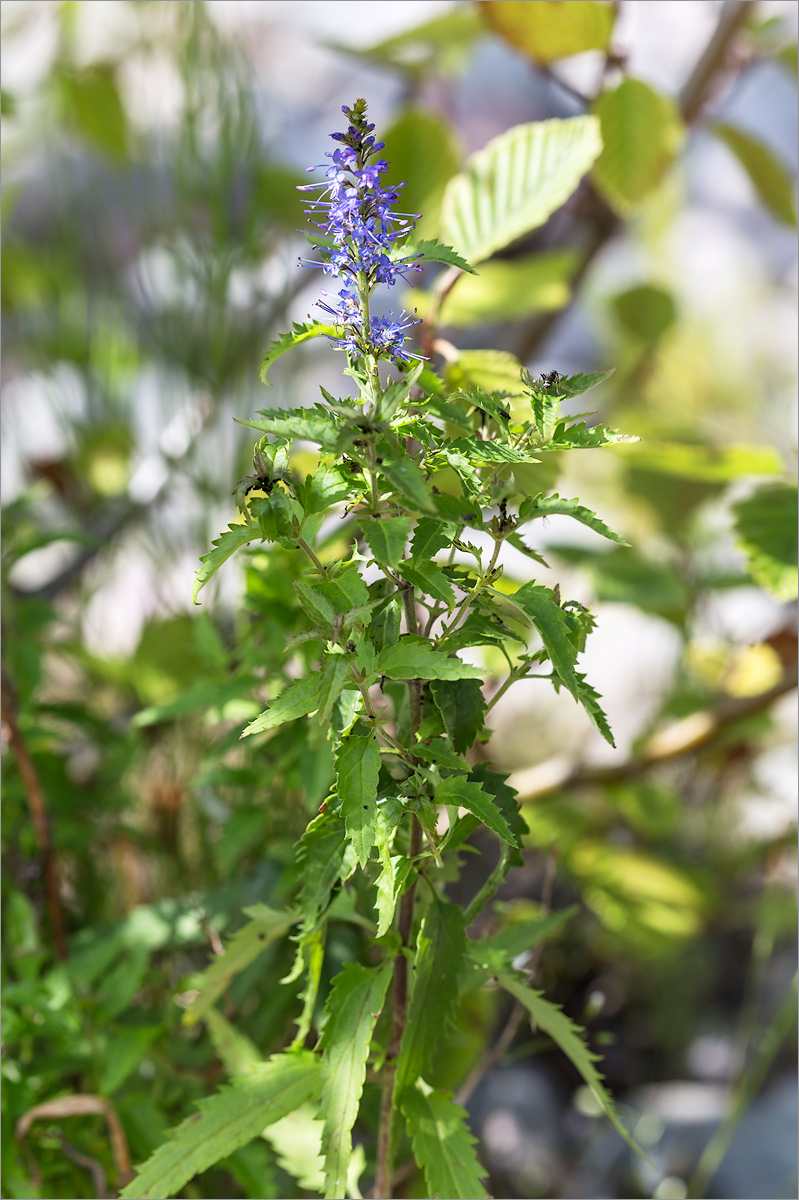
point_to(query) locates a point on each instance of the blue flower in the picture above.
(354, 210)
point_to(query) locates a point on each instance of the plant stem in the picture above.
(320, 566)
(40, 818)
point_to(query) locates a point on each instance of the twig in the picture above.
(40, 817)
(682, 737)
(80, 1105)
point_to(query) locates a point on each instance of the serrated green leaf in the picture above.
(569, 386)
(346, 590)
(439, 753)
(227, 1120)
(326, 486)
(460, 793)
(440, 956)
(317, 606)
(355, 1002)
(126, 1048)
(567, 1036)
(477, 451)
(443, 1145)
(407, 480)
(506, 799)
(333, 676)
(415, 658)
(642, 131)
(309, 961)
(493, 371)
(315, 424)
(546, 506)
(516, 182)
(386, 538)
(298, 334)
(357, 769)
(320, 853)
(226, 544)
(297, 1143)
(429, 578)
(772, 182)
(297, 700)
(430, 536)
(497, 952)
(462, 706)
(766, 526)
(431, 250)
(538, 604)
(589, 698)
(266, 925)
(548, 30)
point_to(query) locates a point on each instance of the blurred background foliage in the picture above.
(150, 156)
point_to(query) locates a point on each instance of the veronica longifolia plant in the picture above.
(429, 479)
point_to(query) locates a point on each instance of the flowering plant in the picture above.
(433, 475)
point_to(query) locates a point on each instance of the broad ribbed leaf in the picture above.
(766, 526)
(357, 769)
(287, 341)
(507, 291)
(539, 605)
(386, 539)
(516, 182)
(462, 706)
(771, 180)
(440, 956)
(226, 1121)
(415, 658)
(356, 999)
(297, 700)
(443, 1145)
(547, 506)
(568, 1037)
(549, 29)
(226, 544)
(642, 132)
(457, 792)
(266, 926)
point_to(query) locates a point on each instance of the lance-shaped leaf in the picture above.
(443, 1145)
(333, 676)
(506, 800)
(320, 853)
(771, 180)
(287, 341)
(568, 1036)
(474, 450)
(498, 951)
(589, 698)
(297, 700)
(397, 870)
(440, 956)
(462, 706)
(539, 605)
(414, 658)
(327, 485)
(226, 544)
(430, 579)
(227, 1120)
(317, 606)
(430, 536)
(346, 590)
(459, 793)
(266, 926)
(357, 769)
(386, 539)
(430, 250)
(516, 182)
(355, 1002)
(547, 506)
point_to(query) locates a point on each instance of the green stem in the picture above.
(470, 598)
(320, 566)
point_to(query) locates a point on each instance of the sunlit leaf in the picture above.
(772, 181)
(766, 526)
(642, 131)
(547, 29)
(443, 1145)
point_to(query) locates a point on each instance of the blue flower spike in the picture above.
(354, 212)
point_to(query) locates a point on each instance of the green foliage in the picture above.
(508, 291)
(641, 135)
(230, 1119)
(548, 30)
(515, 183)
(442, 1144)
(357, 768)
(356, 999)
(769, 177)
(766, 526)
(225, 545)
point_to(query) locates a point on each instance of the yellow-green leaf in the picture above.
(550, 29)
(642, 131)
(770, 179)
